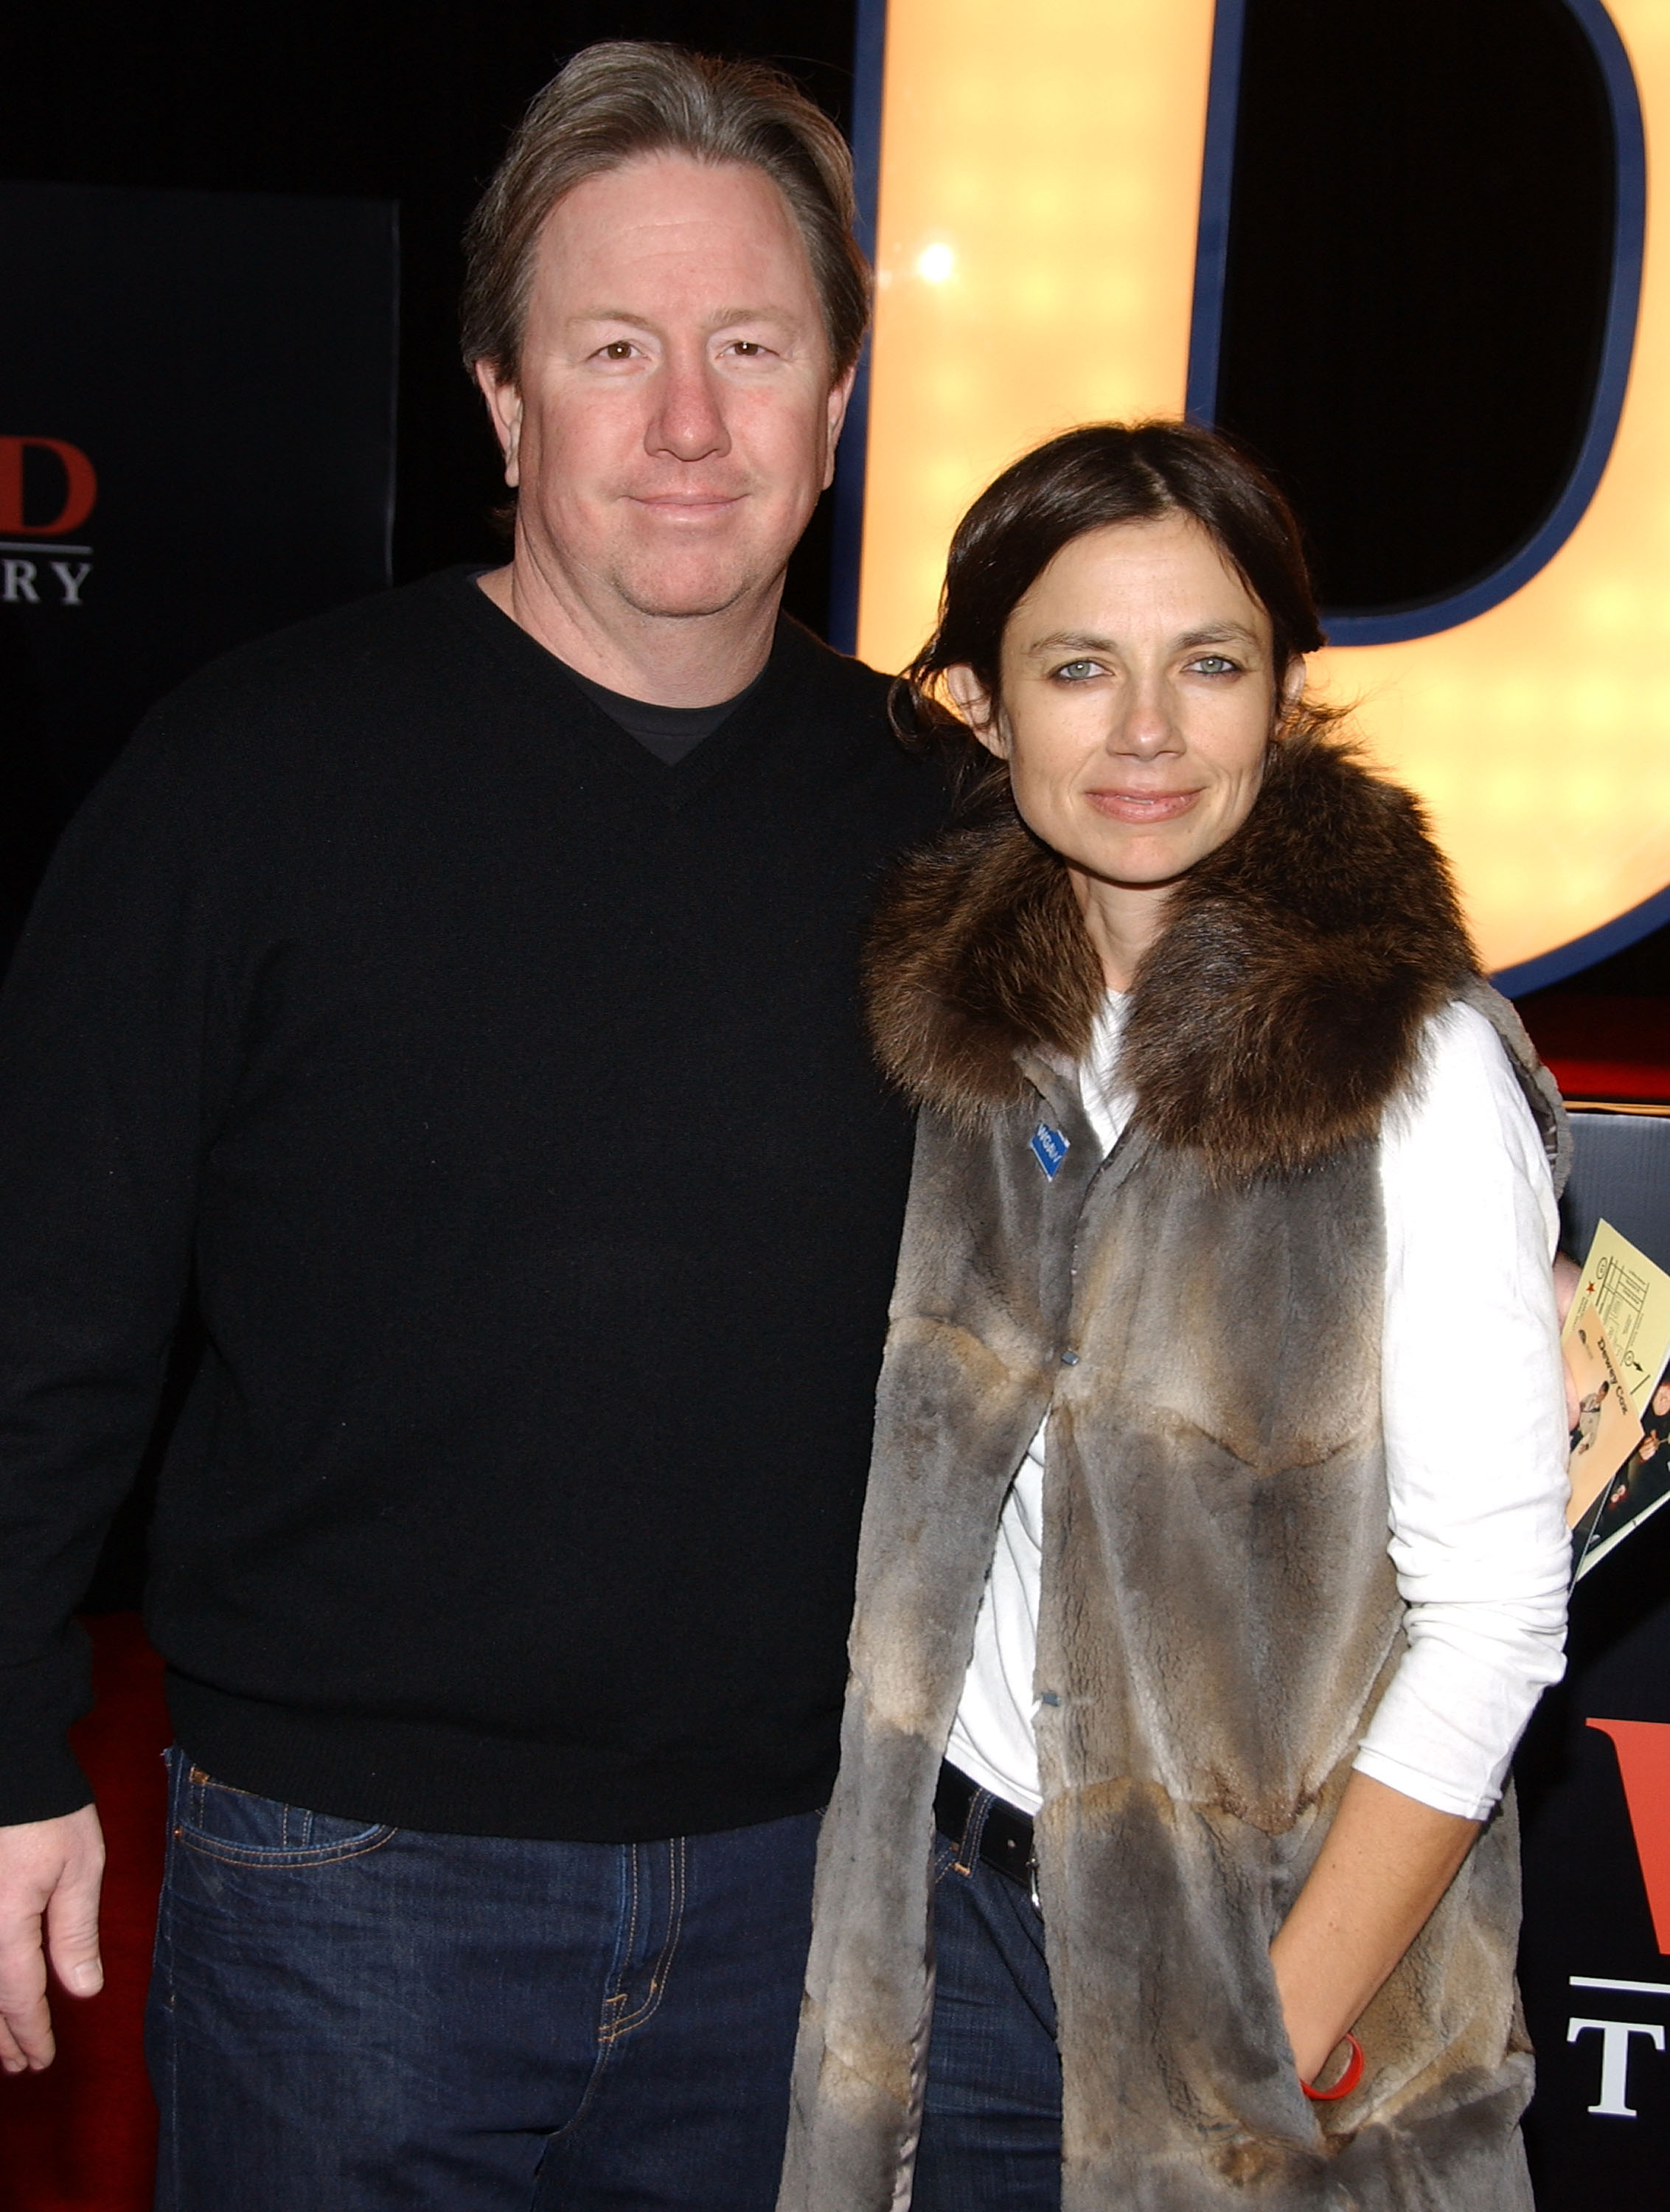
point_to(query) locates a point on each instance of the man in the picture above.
(456, 998)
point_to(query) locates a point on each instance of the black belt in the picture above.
(1002, 1838)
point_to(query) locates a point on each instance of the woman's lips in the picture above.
(1142, 806)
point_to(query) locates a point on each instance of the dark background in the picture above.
(408, 99)
(245, 468)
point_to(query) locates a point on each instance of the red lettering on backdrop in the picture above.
(80, 490)
(1643, 1761)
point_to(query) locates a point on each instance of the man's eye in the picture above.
(750, 349)
(618, 349)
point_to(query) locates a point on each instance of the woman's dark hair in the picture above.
(1088, 479)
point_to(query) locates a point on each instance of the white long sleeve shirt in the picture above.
(1474, 1421)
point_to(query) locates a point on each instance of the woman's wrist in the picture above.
(1310, 2008)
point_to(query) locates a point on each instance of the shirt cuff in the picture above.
(1421, 1787)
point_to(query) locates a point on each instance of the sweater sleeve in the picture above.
(103, 1024)
(1475, 1423)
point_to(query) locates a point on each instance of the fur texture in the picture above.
(1280, 1008)
(1219, 1615)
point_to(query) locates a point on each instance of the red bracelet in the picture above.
(1347, 2081)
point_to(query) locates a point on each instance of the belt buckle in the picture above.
(1032, 1880)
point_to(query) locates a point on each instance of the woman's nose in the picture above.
(1147, 726)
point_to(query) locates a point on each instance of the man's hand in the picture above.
(50, 1872)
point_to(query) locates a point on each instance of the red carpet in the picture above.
(1603, 1048)
(81, 2137)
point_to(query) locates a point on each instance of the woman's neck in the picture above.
(1122, 920)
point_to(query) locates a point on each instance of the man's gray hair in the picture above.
(621, 99)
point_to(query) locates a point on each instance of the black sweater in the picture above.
(498, 1092)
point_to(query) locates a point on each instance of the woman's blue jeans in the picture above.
(348, 2018)
(991, 2124)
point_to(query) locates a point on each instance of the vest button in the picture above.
(1069, 1359)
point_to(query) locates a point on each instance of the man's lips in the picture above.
(1142, 806)
(675, 504)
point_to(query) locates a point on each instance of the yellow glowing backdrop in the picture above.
(1035, 236)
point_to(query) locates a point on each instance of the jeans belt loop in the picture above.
(986, 1827)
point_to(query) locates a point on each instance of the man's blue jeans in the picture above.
(346, 2018)
(992, 2122)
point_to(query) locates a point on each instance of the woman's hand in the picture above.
(1387, 1861)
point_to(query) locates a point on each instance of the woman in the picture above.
(1228, 1246)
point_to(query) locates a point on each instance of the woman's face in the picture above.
(1138, 694)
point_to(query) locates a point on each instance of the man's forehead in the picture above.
(668, 205)
(665, 239)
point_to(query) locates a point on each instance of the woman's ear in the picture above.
(974, 702)
(1292, 687)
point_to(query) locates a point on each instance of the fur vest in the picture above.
(1199, 1315)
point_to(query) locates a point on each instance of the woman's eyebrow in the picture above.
(1218, 634)
(1073, 641)
(1084, 640)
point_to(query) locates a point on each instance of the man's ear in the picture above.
(974, 702)
(841, 392)
(504, 405)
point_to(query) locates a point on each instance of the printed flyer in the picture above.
(1616, 1345)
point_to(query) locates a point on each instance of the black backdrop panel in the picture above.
(1387, 340)
(214, 373)
(1597, 1855)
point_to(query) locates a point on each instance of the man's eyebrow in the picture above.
(726, 316)
(723, 320)
(611, 315)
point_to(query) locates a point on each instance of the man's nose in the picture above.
(689, 418)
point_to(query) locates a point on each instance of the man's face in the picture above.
(674, 420)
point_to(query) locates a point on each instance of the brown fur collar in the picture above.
(1277, 1012)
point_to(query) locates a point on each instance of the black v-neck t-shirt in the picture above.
(669, 733)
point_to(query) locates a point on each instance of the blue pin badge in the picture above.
(1049, 1149)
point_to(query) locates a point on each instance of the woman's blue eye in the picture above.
(1075, 672)
(1214, 663)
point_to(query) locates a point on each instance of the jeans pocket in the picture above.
(241, 1829)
